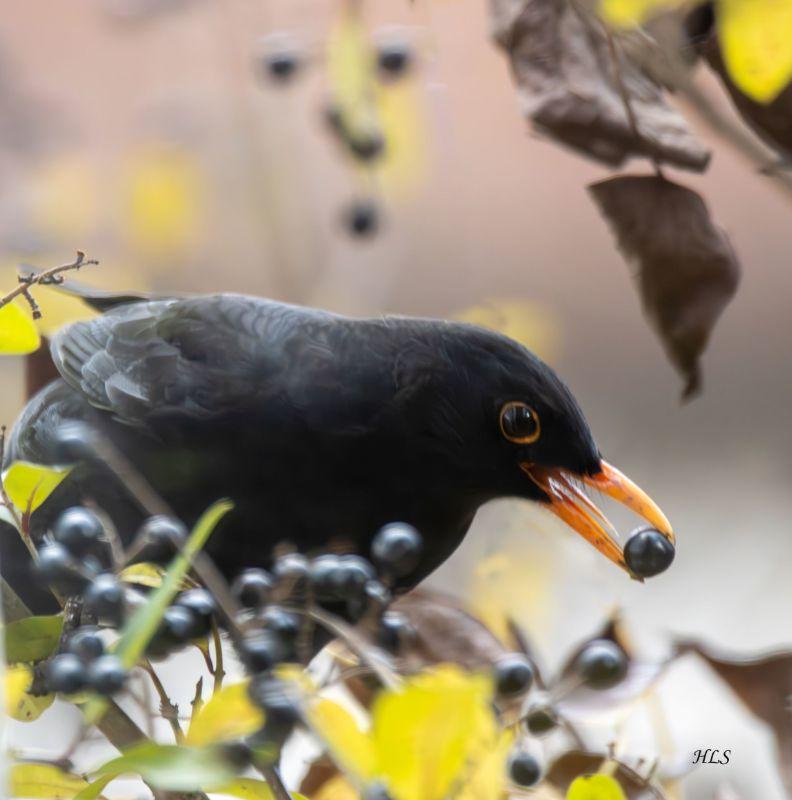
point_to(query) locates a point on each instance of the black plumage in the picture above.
(319, 427)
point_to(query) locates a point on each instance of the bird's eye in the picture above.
(519, 423)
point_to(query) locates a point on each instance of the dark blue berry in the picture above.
(397, 549)
(648, 553)
(601, 664)
(104, 598)
(65, 673)
(253, 588)
(513, 675)
(106, 675)
(80, 531)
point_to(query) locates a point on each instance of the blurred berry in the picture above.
(601, 664)
(65, 673)
(378, 596)
(291, 571)
(203, 607)
(162, 538)
(274, 698)
(104, 598)
(648, 553)
(106, 675)
(57, 568)
(394, 59)
(179, 625)
(362, 218)
(86, 643)
(237, 754)
(280, 58)
(321, 576)
(540, 719)
(394, 631)
(253, 588)
(397, 549)
(261, 651)
(513, 675)
(350, 577)
(376, 791)
(524, 769)
(284, 623)
(80, 531)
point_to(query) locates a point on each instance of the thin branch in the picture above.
(218, 672)
(273, 779)
(168, 709)
(47, 277)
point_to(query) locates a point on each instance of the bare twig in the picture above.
(168, 709)
(218, 672)
(273, 778)
(47, 277)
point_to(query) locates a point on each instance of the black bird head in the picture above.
(520, 432)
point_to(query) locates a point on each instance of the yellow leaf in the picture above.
(595, 787)
(20, 705)
(486, 778)
(44, 781)
(426, 732)
(229, 714)
(143, 574)
(29, 485)
(337, 788)
(403, 129)
(528, 323)
(629, 13)
(756, 40)
(350, 745)
(350, 67)
(166, 191)
(18, 334)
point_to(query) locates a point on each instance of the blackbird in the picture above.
(319, 427)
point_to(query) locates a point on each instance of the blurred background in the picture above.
(151, 134)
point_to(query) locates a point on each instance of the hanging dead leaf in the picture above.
(687, 271)
(764, 685)
(573, 78)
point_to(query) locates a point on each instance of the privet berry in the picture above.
(66, 673)
(253, 588)
(601, 664)
(648, 553)
(362, 218)
(524, 769)
(513, 675)
(86, 643)
(79, 530)
(261, 651)
(106, 675)
(397, 549)
(162, 537)
(540, 719)
(57, 568)
(202, 606)
(394, 631)
(104, 598)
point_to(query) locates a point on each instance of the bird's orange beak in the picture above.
(570, 503)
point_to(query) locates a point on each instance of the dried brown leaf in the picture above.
(570, 765)
(764, 685)
(573, 78)
(687, 271)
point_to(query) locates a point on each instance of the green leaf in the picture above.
(173, 767)
(137, 633)
(94, 789)
(756, 40)
(229, 714)
(29, 485)
(44, 781)
(595, 787)
(32, 639)
(18, 334)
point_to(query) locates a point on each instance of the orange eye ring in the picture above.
(519, 423)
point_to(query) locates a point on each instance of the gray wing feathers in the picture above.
(195, 356)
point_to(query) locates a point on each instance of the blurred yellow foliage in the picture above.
(755, 38)
(19, 704)
(229, 714)
(18, 334)
(528, 323)
(44, 782)
(440, 723)
(595, 787)
(166, 194)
